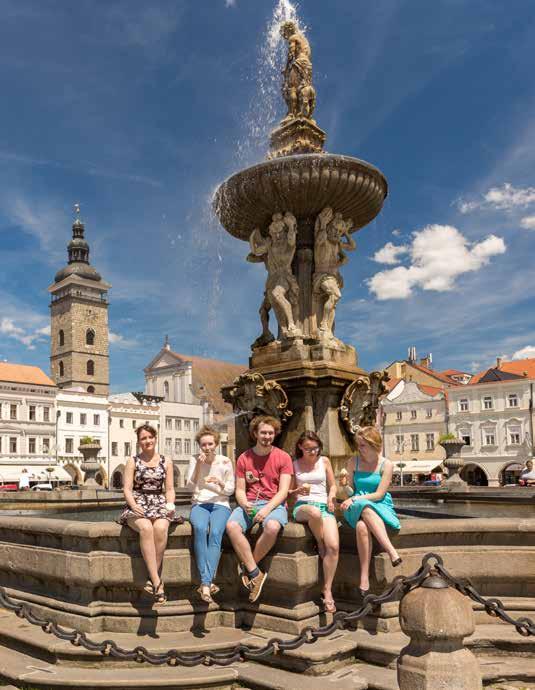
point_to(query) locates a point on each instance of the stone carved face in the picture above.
(288, 29)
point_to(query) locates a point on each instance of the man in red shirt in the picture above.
(263, 477)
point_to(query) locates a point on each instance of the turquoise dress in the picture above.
(367, 483)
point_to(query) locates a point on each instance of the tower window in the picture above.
(61, 335)
(90, 337)
(91, 389)
(90, 367)
(61, 369)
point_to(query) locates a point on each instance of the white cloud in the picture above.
(230, 3)
(528, 223)
(502, 198)
(396, 232)
(439, 254)
(120, 340)
(27, 338)
(525, 352)
(389, 253)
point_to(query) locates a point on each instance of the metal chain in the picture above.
(431, 563)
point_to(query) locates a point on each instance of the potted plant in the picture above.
(453, 462)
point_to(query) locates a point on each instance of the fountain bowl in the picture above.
(303, 184)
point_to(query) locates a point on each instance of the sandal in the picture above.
(148, 587)
(205, 596)
(214, 589)
(160, 597)
(329, 605)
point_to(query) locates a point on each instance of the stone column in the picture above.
(437, 618)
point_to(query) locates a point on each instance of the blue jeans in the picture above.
(208, 521)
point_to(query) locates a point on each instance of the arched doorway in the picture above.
(176, 475)
(474, 474)
(510, 473)
(117, 481)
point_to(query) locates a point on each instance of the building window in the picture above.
(83, 419)
(415, 442)
(512, 400)
(127, 449)
(429, 413)
(31, 446)
(224, 449)
(31, 416)
(91, 389)
(413, 414)
(487, 402)
(195, 425)
(168, 423)
(12, 412)
(398, 415)
(514, 435)
(178, 425)
(90, 367)
(187, 425)
(489, 438)
(399, 443)
(46, 414)
(96, 420)
(12, 444)
(61, 337)
(90, 337)
(178, 446)
(166, 390)
(430, 441)
(167, 445)
(121, 423)
(68, 418)
(463, 405)
(46, 446)
(114, 450)
(187, 446)
(61, 369)
(69, 445)
(465, 436)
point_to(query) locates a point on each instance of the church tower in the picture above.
(79, 355)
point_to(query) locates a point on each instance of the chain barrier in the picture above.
(431, 564)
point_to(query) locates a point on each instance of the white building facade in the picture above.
(127, 413)
(495, 419)
(81, 415)
(27, 424)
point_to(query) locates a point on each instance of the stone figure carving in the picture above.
(331, 238)
(297, 88)
(282, 290)
(250, 395)
(266, 336)
(361, 400)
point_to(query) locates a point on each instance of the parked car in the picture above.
(42, 487)
(432, 482)
(9, 487)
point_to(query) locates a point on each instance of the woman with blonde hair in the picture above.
(211, 478)
(369, 510)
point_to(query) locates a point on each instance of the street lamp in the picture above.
(401, 465)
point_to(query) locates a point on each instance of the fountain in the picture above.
(298, 211)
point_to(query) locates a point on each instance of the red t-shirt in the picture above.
(262, 472)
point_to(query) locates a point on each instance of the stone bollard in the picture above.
(437, 618)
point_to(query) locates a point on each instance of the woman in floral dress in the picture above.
(150, 498)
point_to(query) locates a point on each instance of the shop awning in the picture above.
(11, 473)
(416, 466)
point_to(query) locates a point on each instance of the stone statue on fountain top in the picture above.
(297, 88)
(282, 290)
(331, 238)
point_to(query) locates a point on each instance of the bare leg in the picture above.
(378, 529)
(241, 545)
(146, 543)
(330, 559)
(311, 516)
(161, 528)
(266, 540)
(364, 548)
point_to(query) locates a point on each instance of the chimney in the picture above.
(498, 362)
(412, 354)
(427, 361)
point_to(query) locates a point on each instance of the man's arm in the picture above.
(281, 495)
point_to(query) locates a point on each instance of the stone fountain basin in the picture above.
(304, 185)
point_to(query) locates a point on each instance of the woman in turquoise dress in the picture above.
(369, 510)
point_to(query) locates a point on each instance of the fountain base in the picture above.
(297, 135)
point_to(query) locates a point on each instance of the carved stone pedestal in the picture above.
(299, 135)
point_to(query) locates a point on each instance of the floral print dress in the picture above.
(149, 493)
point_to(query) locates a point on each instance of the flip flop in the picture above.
(160, 597)
(204, 596)
(329, 605)
(214, 589)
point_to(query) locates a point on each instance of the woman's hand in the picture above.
(138, 510)
(346, 504)
(330, 504)
(211, 479)
(303, 490)
(202, 458)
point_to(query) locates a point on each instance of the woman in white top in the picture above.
(211, 477)
(315, 486)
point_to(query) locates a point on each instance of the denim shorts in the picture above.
(325, 512)
(245, 521)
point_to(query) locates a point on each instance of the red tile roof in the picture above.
(435, 374)
(454, 372)
(517, 366)
(24, 373)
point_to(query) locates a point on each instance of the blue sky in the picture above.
(138, 110)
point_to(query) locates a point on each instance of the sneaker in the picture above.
(255, 586)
